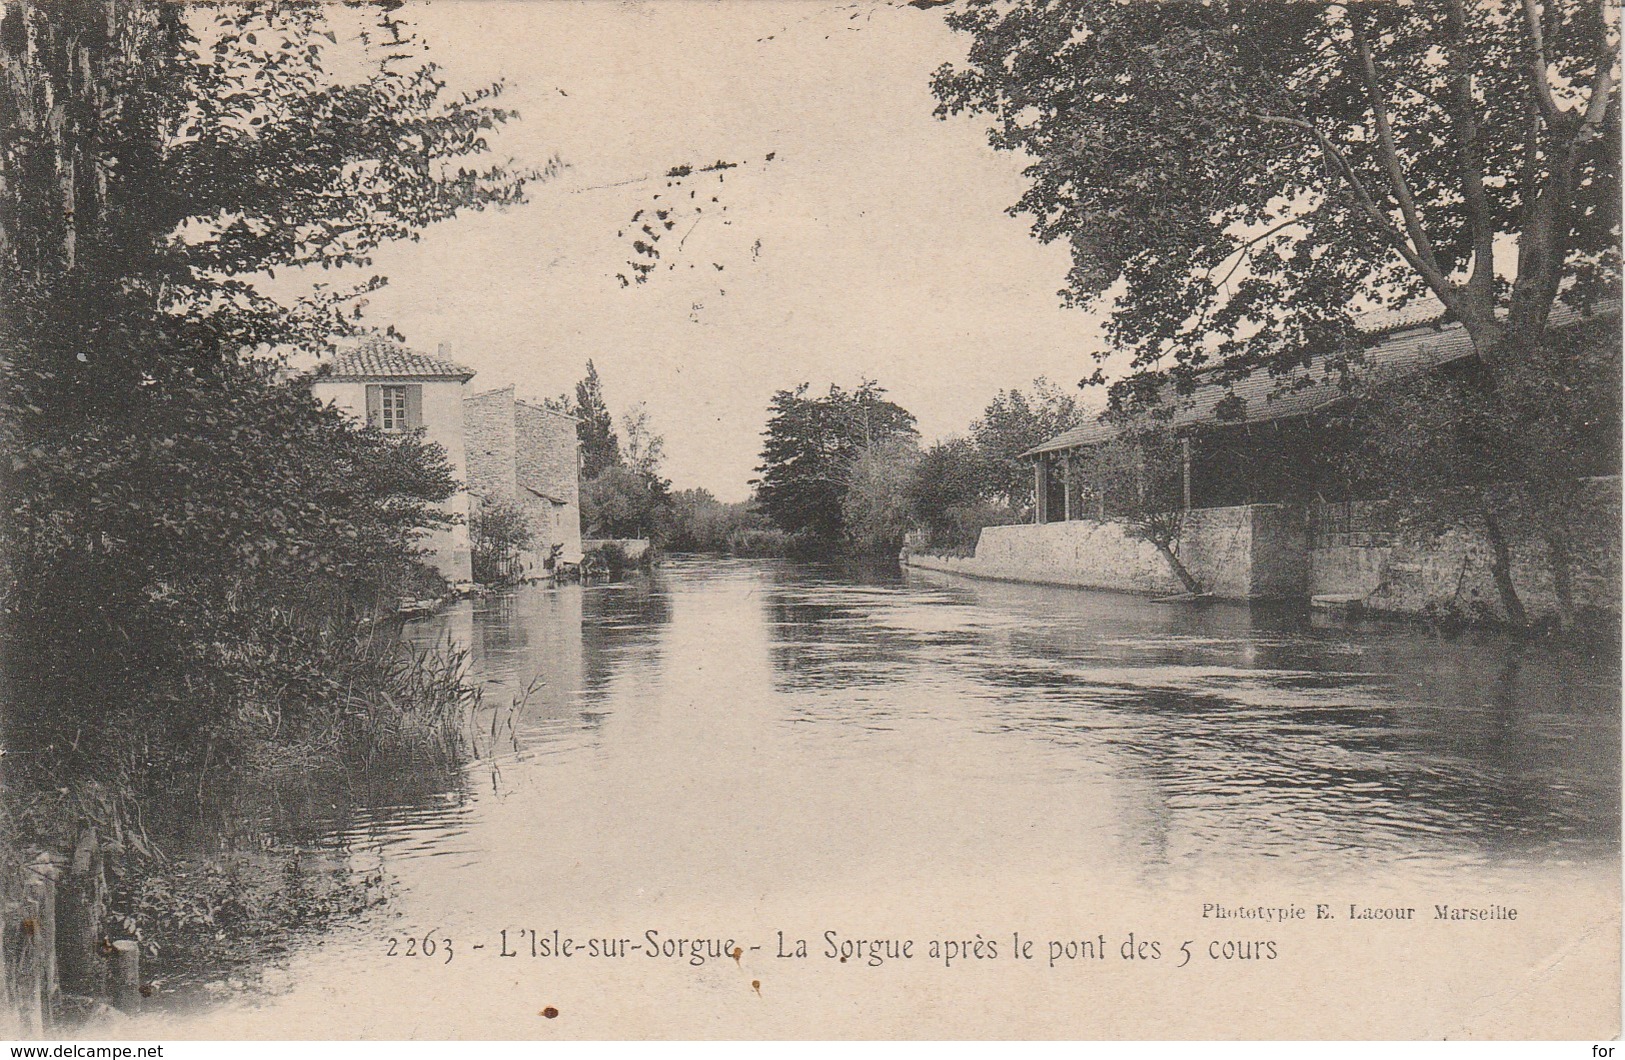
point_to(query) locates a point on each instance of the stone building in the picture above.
(527, 455)
(397, 389)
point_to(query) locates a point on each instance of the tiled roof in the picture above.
(1265, 397)
(385, 358)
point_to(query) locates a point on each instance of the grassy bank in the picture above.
(212, 862)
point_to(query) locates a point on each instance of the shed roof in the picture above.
(1427, 310)
(544, 495)
(386, 358)
(535, 407)
(1413, 348)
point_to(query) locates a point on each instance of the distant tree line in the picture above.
(843, 470)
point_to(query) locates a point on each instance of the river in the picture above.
(762, 751)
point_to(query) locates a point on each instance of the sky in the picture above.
(874, 244)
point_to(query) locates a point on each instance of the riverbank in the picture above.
(196, 849)
(1344, 553)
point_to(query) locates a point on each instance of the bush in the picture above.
(701, 523)
(497, 532)
(758, 542)
(623, 502)
(875, 505)
(362, 699)
(611, 558)
(957, 528)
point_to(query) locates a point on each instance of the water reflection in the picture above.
(1250, 729)
(1104, 728)
(728, 739)
(546, 655)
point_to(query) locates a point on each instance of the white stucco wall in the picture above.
(443, 425)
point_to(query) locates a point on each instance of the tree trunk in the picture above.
(1501, 569)
(1558, 555)
(1186, 578)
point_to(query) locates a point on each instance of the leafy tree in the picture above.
(1511, 460)
(1014, 422)
(622, 502)
(875, 504)
(497, 532)
(1323, 156)
(170, 503)
(623, 493)
(809, 447)
(600, 446)
(701, 523)
(948, 495)
(696, 521)
(1246, 177)
(645, 450)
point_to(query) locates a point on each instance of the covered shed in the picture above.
(1271, 438)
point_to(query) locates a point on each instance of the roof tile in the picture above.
(385, 358)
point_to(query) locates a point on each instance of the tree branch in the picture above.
(1390, 158)
(1543, 247)
(1539, 82)
(1482, 281)
(1602, 85)
(1436, 281)
(1244, 252)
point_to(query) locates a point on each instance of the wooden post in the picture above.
(1185, 467)
(127, 977)
(42, 891)
(1038, 488)
(1043, 496)
(30, 982)
(80, 915)
(1066, 486)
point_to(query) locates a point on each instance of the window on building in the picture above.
(392, 408)
(395, 408)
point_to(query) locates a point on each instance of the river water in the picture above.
(736, 749)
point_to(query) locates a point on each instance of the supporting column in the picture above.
(1041, 503)
(1185, 467)
(1066, 486)
(1038, 488)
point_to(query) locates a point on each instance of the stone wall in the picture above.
(1219, 546)
(548, 471)
(1216, 545)
(1080, 553)
(1280, 552)
(526, 454)
(1392, 572)
(1267, 551)
(488, 426)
